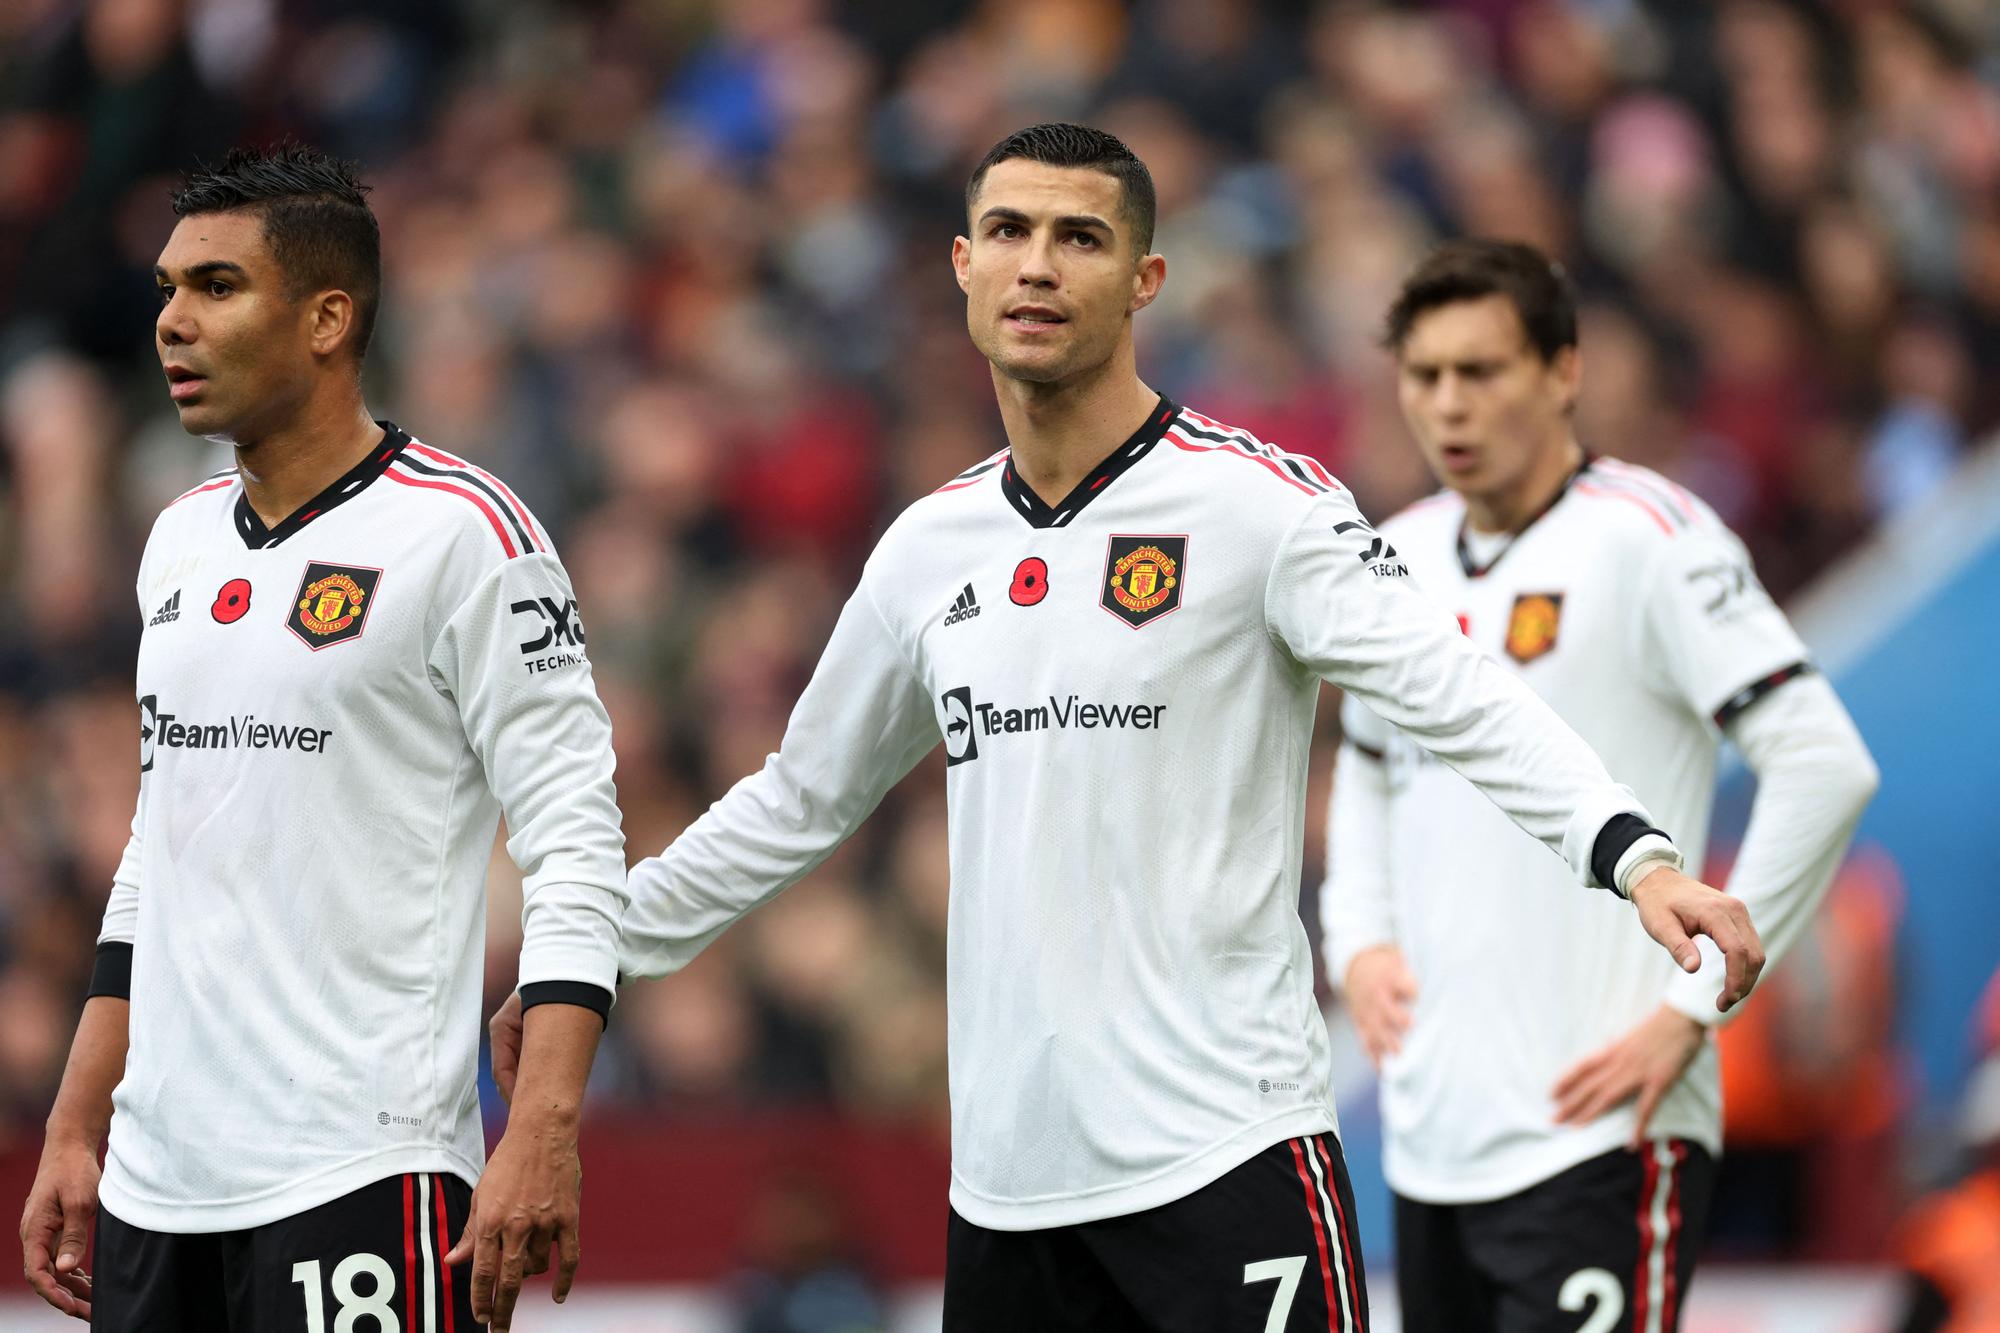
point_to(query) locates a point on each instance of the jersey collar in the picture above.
(1474, 570)
(1116, 463)
(350, 484)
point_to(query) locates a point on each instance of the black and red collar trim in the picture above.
(1474, 570)
(350, 484)
(1116, 463)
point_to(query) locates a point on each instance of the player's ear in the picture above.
(1567, 367)
(1147, 280)
(961, 262)
(332, 321)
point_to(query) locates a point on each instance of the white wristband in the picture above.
(1640, 860)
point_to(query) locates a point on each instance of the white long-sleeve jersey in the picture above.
(1125, 686)
(1634, 611)
(334, 714)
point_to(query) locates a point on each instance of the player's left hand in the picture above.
(527, 1202)
(1674, 908)
(1643, 1063)
(505, 1030)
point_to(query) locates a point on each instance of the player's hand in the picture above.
(527, 1202)
(505, 1030)
(55, 1226)
(1674, 908)
(1643, 1063)
(1379, 990)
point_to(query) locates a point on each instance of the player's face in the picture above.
(1049, 272)
(236, 352)
(1484, 406)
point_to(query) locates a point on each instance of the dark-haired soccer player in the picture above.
(1552, 1103)
(1117, 627)
(358, 653)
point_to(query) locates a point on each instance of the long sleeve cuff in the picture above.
(579, 993)
(111, 974)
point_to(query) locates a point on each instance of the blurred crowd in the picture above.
(677, 269)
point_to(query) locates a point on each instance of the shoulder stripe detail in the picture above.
(462, 493)
(1258, 459)
(972, 475)
(1605, 492)
(1651, 494)
(1201, 427)
(208, 486)
(1676, 495)
(524, 527)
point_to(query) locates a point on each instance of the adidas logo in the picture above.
(965, 608)
(170, 611)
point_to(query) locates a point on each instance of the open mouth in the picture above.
(1459, 457)
(183, 384)
(1034, 318)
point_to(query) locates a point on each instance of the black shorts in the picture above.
(1271, 1247)
(1608, 1246)
(376, 1255)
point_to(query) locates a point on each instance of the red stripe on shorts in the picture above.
(1319, 1234)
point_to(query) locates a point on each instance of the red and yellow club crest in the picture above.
(1143, 577)
(332, 603)
(1531, 629)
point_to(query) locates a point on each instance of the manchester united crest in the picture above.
(332, 603)
(1143, 578)
(1531, 629)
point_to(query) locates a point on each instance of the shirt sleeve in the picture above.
(512, 658)
(1814, 778)
(1342, 604)
(862, 723)
(1356, 904)
(1713, 634)
(112, 974)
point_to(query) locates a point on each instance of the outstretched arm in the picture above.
(1372, 633)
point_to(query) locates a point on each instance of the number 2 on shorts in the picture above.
(1287, 1272)
(1588, 1285)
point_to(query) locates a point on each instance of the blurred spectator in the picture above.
(1949, 1244)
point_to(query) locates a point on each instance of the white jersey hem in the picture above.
(293, 1198)
(1176, 1182)
(1459, 1183)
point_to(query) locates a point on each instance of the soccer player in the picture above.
(1117, 627)
(359, 652)
(1550, 1094)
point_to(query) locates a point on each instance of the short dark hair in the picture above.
(316, 220)
(1058, 144)
(1466, 270)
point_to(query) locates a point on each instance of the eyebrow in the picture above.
(207, 268)
(1085, 220)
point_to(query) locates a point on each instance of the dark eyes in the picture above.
(215, 287)
(1007, 231)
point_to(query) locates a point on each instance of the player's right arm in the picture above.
(1356, 908)
(62, 1203)
(862, 723)
(1375, 635)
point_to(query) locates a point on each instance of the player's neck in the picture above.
(1514, 508)
(1058, 433)
(289, 466)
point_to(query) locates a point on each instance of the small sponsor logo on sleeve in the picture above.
(555, 634)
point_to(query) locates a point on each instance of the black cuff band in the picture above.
(1613, 841)
(111, 974)
(579, 993)
(1756, 690)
